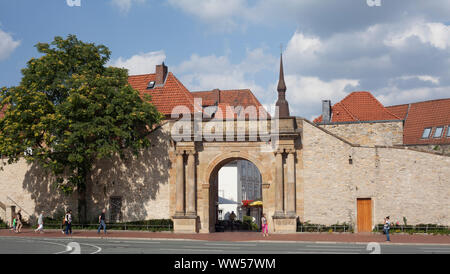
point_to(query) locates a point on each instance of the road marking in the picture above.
(325, 250)
(334, 246)
(187, 249)
(211, 248)
(244, 245)
(312, 252)
(99, 249)
(132, 242)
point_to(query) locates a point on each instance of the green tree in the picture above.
(70, 111)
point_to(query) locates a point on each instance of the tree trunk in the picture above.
(82, 205)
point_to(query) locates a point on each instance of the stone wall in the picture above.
(369, 134)
(442, 149)
(142, 182)
(400, 182)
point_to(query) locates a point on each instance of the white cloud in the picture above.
(210, 72)
(7, 45)
(140, 63)
(305, 94)
(397, 96)
(436, 34)
(125, 5)
(424, 78)
(302, 46)
(218, 11)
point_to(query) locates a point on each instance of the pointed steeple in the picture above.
(281, 83)
(282, 104)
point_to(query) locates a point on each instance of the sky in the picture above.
(399, 50)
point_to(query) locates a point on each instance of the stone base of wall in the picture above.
(185, 224)
(284, 224)
(441, 149)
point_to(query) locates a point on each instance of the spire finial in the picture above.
(281, 83)
(282, 104)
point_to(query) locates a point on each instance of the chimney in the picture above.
(161, 74)
(326, 111)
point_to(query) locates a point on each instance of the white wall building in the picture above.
(239, 180)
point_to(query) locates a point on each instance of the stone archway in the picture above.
(212, 175)
(198, 160)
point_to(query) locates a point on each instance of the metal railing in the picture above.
(413, 228)
(113, 226)
(324, 228)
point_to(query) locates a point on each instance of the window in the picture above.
(448, 131)
(426, 133)
(116, 209)
(151, 85)
(438, 132)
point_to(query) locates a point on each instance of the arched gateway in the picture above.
(202, 147)
(197, 162)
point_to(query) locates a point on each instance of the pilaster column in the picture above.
(180, 184)
(279, 197)
(290, 185)
(190, 184)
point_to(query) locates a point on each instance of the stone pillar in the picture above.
(290, 185)
(279, 197)
(179, 208)
(190, 185)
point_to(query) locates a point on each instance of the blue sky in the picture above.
(400, 51)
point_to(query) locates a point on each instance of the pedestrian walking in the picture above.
(265, 228)
(40, 223)
(63, 224)
(387, 227)
(101, 221)
(68, 220)
(14, 224)
(19, 221)
(232, 218)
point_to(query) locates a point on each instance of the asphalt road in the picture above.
(28, 245)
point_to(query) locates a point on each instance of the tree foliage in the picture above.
(70, 111)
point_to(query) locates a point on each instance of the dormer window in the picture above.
(151, 85)
(438, 132)
(426, 133)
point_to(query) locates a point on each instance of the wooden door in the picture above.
(364, 211)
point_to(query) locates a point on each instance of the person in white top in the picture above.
(40, 223)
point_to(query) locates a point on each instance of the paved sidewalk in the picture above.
(245, 236)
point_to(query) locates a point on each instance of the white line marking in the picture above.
(99, 249)
(131, 242)
(186, 249)
(211, 248)
(312, 252)
(326, 250)
(244, 245)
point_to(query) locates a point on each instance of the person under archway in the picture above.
(264, 225)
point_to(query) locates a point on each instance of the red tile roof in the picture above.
(400, 110)
(225, 111)
(235, 98)
(172, 94)
(362, 106)
(359, 106)
(428, 114)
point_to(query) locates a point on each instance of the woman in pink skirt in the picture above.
(265, 229)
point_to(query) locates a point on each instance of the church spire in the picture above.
(281, 83)
(282, 104)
